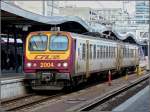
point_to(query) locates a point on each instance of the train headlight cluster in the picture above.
(29, 64)
(34, 64)
(65, 64)
(59, 64)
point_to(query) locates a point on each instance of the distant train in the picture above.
(57, 59)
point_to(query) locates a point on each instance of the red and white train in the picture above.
(56, 59)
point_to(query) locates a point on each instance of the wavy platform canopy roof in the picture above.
(125, 37)
(16, 15)
(11, 14)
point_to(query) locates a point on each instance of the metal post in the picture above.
(148, 43)
(52, 8)
(43, 7)
(16, 56)
(149, 49)
(23, 47)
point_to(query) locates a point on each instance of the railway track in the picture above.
(89, 105)
(26, 101)
(29, 101)
(5, 101)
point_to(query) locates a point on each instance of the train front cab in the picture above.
(48, 60)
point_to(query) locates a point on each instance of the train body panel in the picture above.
(97, 62)
(106, 56)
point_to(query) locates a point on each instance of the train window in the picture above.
(128, 52)
(94, 55)
(90, 51)
(78, 52)
(97, 52)
(125, 52)
(132, 52)
(113, 51)
(58, 43)
(111, 55)
(110, 52)
(106, 51)
(100, 52)
(103, 52)
(83, 51)
(38, 43)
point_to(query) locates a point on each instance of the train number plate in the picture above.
(45, 64)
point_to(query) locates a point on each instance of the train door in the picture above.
(87, 59)
(119, 58)
(138, 55)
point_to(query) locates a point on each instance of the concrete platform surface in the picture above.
(138, 103)
(6, 76)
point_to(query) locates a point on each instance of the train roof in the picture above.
(113, 35)
(108, 35)
(102, 38)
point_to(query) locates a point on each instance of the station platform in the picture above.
(138, 103)
(9, 76)
(12, 85)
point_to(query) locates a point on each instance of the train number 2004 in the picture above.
(42, 65)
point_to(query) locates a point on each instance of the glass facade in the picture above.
(142, 12)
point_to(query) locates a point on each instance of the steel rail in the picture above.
(90, 104)
(29, 104)
(15, 99)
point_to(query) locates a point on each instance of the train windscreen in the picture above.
(58, 43)
(38, 43)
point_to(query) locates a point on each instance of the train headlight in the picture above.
(34, 64)
(59, 64)
(29, 64)
(65, 64)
